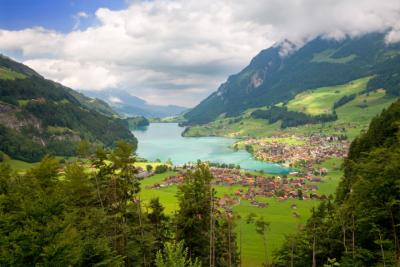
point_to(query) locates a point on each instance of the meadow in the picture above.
(321, 100)
(353, 117)
(278, 213)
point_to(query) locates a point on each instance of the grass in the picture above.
(167, 195)
(278, 213)
(247, 127)
(326, 57)
(7, 74)
(320, 101)
(22, 166)
(354, 117)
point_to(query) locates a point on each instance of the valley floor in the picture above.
(285, 215)
(282, 217)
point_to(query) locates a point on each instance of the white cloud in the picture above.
(178, 51)
(115, 100)
(77, 18)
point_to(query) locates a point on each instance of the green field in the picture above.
(320, 101)
(278, 213)
(8, 74)
(326, 57)
(354, 116)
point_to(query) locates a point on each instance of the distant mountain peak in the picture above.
(130, 105)
(277, 74)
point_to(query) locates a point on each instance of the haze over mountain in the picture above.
(129, 105)
(173, 52)
(279, 73)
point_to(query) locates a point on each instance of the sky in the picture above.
(172, 51)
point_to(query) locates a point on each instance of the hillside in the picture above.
(130, 105)
(285, 82)
(359, 228)
(39, 116)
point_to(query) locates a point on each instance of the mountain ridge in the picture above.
(130, 105)
(271, 78)
(39, 116)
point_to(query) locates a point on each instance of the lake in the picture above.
(164, 141)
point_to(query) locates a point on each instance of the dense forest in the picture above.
(39, 116)
(290, 118)
(137, 122)
(360, 226)
(67, 215)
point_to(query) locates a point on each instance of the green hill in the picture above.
(358, 228)
(326, 66)
(39, 116)
(353, 115)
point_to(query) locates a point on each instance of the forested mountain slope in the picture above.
(39, 116)
(361, 227)
(272, 78)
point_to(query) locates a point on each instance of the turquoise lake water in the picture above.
(164, 141)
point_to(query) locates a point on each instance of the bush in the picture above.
(161, 169)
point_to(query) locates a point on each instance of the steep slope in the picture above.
(38, 116)
(130, 105)
(272, 78)
(360, 227)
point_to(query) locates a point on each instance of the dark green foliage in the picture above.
(290, 118)
(175, 255)
(193, 218)
(19, 146)
(80, 220)
(159, 225)
(361, 228)
(280, 79)
(344, 100)
(137, 122)
(206, 232)
(387, 76)
(53, 119)
(161, 168)
(34, 88)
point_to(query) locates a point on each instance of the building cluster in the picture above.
(295, 186)
(311, 150)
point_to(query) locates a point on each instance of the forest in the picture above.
(65, 215)
(60, 214)
(360, 226)
(290, 118)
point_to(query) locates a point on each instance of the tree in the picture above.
(262, 227)
(193, 217)
(159, 224)
(174, 255)
(149, 168)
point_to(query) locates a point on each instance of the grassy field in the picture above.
(320, 101)
(354, 117)
(326, 57)
(278, 213)
(8, 74)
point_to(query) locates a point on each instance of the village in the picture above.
(306, 151)
(249, 186)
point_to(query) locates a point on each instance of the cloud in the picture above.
(77, 18)
(115, 100)
(179, 51)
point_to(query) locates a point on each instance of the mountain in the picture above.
(39, 116)
(130, 105)
(366, 206)
(273, 78)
